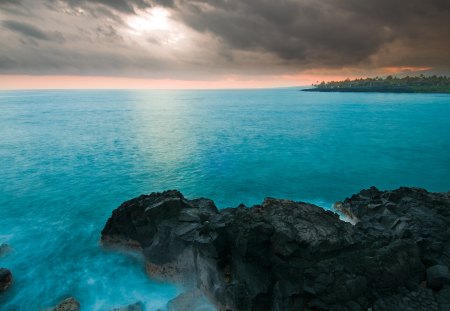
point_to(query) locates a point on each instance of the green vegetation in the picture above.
(418, 84)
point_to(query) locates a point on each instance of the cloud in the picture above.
(124, 6)
(214, 38)
(324, 33)
(28, 30)
(13, 2)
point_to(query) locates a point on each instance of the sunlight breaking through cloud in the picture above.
(152, 19)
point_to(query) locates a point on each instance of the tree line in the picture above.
(409, 84)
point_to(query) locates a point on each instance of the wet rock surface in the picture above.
(190, 301)
(4, 249)
(438, 276)
(5, 279)
(285, 255)
(69, 304)
(138, 306)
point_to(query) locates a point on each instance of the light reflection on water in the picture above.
(68, 158)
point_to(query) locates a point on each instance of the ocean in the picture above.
(68, 158)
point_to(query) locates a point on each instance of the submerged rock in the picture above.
(190, 301)
(285, 255)
(69, 304)
(138, 306)
(5, 279)
(438, 276)
(4, 249)
(420, 300)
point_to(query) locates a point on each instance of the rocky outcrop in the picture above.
(193, 300)
(438, 276)
(5, 279)
(285, 255)
(69, 304)
(138, 306)
(4, 249)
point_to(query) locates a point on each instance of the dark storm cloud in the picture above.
(15, 2)
(28, 30)
(125, 6)
(311, 33)
(325, 33)
(25, 29)
(229, 36)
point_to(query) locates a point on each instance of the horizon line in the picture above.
(156, 89)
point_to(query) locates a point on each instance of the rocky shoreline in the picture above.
(285, 255)
(5, 279)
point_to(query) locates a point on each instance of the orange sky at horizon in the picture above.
(306, 78)
(14, 82)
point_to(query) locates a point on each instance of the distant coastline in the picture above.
(390, 84)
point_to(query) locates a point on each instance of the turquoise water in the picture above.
(68, 158)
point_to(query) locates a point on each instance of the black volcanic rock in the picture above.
(4, 249)
(285, 255)
(189, 301)
(69, 304)
(438, 276)
(138, 306)
(5, 279)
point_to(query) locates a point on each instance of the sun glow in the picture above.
(154, 19)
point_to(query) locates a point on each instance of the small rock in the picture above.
(138, 306)
(5, 279)
(443, 296)
(437, 276)
(69, 304)
(190, 301)
(4, 249)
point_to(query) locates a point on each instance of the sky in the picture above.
(217, 43)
